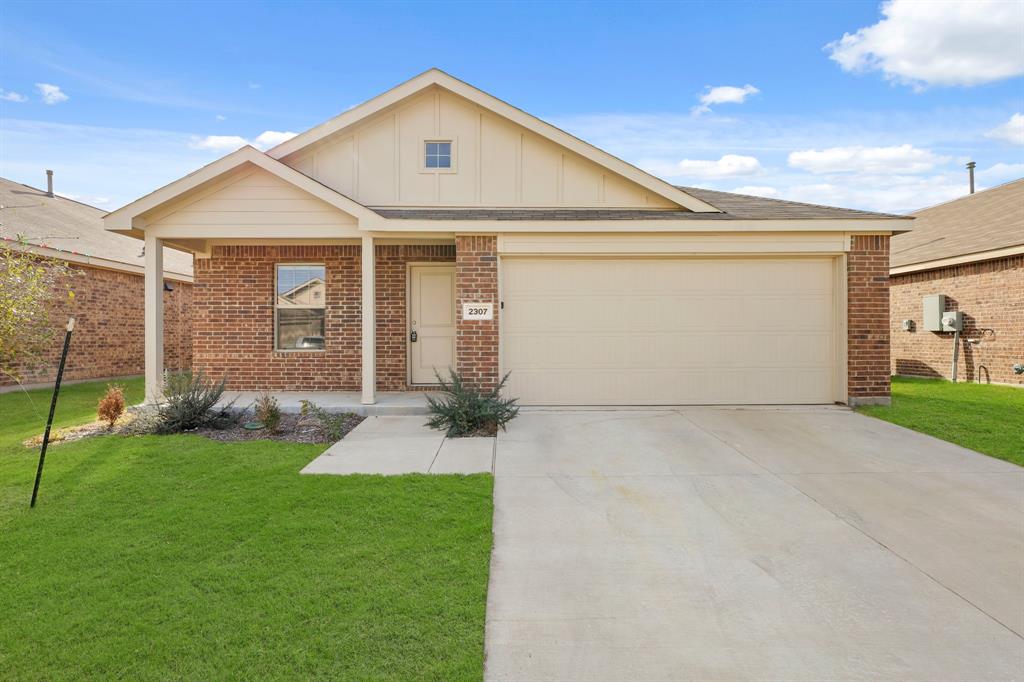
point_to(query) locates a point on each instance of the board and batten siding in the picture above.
(378, 162)
(253, 198)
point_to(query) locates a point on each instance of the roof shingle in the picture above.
(984, 221)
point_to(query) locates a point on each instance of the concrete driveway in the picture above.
(724, 544)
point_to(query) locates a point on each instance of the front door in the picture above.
(431, 322)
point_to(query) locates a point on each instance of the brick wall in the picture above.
(867, 271)
(109, 335)
(234, 319)
(476, 281)
(991, 295)
(392, 311)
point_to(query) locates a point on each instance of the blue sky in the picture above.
(120, 99)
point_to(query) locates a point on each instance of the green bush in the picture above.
(463, 411)
(189, 402)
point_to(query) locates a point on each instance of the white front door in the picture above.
(431, 322)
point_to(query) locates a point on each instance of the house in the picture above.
(971, 252)
(108, 285)
(451, 229)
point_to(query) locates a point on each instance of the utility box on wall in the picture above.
(934, 306)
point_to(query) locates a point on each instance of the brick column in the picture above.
(867, 282)
(476, 281)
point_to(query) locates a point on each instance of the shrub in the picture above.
(333, 425)
(111, 405)
(189, 401)
(464, 411)
(268, 411)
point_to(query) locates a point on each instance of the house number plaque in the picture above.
(478, 311)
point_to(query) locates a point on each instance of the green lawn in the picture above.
(986, 418)
(178, 557)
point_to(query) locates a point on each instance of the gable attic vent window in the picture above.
(438, 154)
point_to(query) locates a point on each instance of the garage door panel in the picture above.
(672, 331)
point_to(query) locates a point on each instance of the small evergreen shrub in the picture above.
(463, 411)
(268, 411)
(189, 402)
(111, 405)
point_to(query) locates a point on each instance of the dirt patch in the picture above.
(293, 428)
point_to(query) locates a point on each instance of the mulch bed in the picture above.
(293, 428)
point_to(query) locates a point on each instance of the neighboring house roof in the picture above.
(73, 231)
(980, 226)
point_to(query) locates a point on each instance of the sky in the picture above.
(858, 104)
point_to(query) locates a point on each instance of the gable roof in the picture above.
(436, 77)
(73, 231)
(731, 207)
(965, 228)
(122, 220)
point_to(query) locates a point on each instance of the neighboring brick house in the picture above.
(108, 285)
(436, 227)
(971, 250)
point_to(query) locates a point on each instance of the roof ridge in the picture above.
(55, 195)
(967, 196)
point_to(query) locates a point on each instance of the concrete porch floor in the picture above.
(395, 403)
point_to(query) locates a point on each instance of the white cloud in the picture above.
(229, 143)
(723, 94)
(255, 86)
(1012, 131)
(272, 138)
(938, 43)
(904, 158)
(51, 94)
(218, 143)
(11, 96)
(756, 190)
(729, 165)
(221, 117)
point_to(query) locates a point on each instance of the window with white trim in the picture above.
(300, 307)
(437, 154)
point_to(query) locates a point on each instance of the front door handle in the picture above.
(412, 336)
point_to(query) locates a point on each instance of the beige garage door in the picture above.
(669, 332)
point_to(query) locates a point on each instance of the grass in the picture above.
(986, 418)
(178, 557)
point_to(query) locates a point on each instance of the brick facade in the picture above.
(476, 281)
(234, 317)
(109, 337)
(867, 272)
(991, 295)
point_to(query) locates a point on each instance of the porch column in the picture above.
(154, 318)
(369, 305)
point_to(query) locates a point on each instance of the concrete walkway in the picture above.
(403, 445)
(731, 544)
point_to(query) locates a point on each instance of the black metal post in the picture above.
(53, 408)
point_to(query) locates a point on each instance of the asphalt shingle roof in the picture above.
(733, 207)
(984, 221)
(73, 227)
